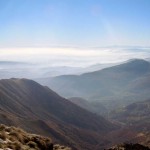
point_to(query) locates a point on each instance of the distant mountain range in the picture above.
(13, 69)
(118, 93)
(38, 109)
(114, 86)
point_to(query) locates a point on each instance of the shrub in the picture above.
(16, 136)
(8, 129)
(2, 127)
(17, 145)
(3, 135)
(32, 144)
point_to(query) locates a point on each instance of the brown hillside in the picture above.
(38, 109)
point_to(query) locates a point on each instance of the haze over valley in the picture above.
(74, 75)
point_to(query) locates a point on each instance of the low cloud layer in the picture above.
(73, 56)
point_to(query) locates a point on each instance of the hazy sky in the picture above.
(73, 24)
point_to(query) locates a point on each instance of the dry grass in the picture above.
(60, 147)
(17, 139)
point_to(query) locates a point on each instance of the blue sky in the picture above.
(74, 23)
(74, 32)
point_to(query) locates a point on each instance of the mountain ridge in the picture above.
(36, 108)
(109, 86)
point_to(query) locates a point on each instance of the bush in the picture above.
(2, 127)
(3, 135)
(16, 136)
(32, 144)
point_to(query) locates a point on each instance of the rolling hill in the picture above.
(113, 87)
(136, 114)
(37, 109)
(136, 119)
